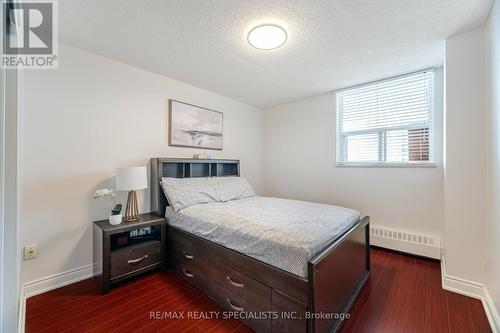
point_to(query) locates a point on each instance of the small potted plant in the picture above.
(115, 217)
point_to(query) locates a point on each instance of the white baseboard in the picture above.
(472, 289)
(406, 241)
(491, 311)
(55, 281)
(48, 283)
(22, 311)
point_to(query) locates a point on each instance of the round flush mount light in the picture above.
(267, 37)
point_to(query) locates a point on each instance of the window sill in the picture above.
(385, 165)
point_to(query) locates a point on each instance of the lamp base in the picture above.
(131, 212)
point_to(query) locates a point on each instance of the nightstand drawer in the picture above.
(135, 258)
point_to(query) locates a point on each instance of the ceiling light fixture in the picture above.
(267, 37)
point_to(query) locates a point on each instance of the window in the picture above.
(388, 122)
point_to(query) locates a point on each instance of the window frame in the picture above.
(341, 139)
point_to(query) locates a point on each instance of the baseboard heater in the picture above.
(406, 241)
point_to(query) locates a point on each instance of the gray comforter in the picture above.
(283, 233)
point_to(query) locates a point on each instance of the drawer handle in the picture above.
(235, 284)
(138, 260)
(187, 273)
(234, 307)
(187, 255)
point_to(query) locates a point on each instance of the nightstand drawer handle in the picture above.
(234, 307)
(187, 255)
(235, 284)
(138, 260)
(187, 273)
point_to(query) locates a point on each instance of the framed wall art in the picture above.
(195, 126)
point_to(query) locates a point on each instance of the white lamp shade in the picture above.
(131, 178)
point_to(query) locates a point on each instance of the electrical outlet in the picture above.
(30, 251)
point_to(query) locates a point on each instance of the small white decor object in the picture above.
(115, 217)
(131, 179)
(202, 156)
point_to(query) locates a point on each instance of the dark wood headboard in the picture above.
(185, 168)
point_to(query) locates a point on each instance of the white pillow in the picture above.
(232, 188)
(184, 192)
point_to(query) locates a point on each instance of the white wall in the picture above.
(465, 156)
(89, 117)
(299, 157)
(472, 165)
(10, 268)
(10, 250)
(492, 227)
(9, 226)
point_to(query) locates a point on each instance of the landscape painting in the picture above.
(194, 126)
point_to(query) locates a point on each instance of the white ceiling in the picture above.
(331, 44)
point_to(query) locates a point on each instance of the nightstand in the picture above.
(128, 249)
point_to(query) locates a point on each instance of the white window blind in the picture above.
(387, 122)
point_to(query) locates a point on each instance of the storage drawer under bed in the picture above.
(195, 272)
(183, 246)
(241, 285)
(189, 262)
(233, 290)
(253, 315)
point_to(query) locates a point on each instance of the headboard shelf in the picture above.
(185, 168)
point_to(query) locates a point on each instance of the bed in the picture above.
(278, 265)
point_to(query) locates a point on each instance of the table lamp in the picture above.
(131, 179)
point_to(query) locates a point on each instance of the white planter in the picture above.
(115, 219)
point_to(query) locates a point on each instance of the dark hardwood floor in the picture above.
(403, 294)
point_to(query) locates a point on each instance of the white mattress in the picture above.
(283, 233)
